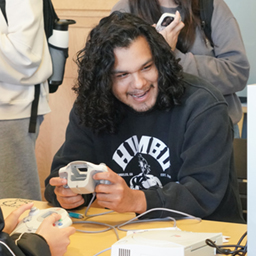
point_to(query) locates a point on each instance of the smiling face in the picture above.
(135, 76)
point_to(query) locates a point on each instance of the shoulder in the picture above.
(122, 6)
(220, 4)
(221, 10)
(200, 90)
(201, 100)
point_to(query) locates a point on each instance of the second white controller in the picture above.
(36, 216)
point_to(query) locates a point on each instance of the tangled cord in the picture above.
(222, 249)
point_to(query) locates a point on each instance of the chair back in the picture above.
(240, 157)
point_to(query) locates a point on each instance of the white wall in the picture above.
(251, 169)
(244, 11)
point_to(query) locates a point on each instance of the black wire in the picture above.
(221, 249)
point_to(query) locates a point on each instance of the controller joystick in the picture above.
(33, 211)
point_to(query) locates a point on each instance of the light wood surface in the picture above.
(85, 244)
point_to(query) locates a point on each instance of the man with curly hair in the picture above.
(156, 128)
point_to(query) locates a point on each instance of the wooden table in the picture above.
(86, 244)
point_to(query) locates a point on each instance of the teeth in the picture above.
(138, 96)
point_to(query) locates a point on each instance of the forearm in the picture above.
(138, 202)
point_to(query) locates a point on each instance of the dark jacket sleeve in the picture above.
(32, 244)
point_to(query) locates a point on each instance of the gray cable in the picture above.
(96, 223)
(94, 215)
(102, 251)
(131, 221)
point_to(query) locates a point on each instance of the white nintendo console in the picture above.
(35, 217)
(166, 242)
(79, 175)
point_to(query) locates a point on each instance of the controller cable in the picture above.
(131, 221)
(88, 207)
(222, 249)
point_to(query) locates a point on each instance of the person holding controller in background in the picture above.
(221, 59)
(164, 135)
(48, 240)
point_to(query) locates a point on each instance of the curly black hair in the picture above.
(96, 105)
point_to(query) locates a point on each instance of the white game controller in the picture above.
(79, 175)
(35, 218)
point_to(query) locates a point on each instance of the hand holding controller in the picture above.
(35, 218)
(79, 175)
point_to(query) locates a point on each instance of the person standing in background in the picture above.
(221, 61)
(24, 62)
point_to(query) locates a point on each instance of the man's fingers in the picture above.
(57, 181)
(109, 175)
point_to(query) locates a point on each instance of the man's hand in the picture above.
(172, 31)
(13, 218)
(118, 196)
(65, 196)
(56, 238)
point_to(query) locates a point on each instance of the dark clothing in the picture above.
(181, 158)
(29, 244)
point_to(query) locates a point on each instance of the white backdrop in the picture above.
(251, 170)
